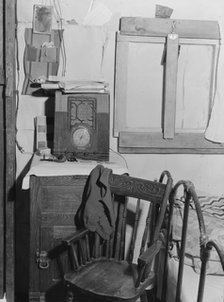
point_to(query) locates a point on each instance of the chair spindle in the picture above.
(134, 233)
(146, 230)
(97, 251)
(119, 232)
(74, 261)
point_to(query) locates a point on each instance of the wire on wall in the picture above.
(119, 154)
(20, 148)
(59, 19)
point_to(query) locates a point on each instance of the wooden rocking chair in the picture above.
(100, 269)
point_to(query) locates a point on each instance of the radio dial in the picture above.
(81, 137)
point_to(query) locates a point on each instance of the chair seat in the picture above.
(107, 278)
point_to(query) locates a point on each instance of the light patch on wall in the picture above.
(98, 14)
(84, 54)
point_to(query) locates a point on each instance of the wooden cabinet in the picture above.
(54, 201)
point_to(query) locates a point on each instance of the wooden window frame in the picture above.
(171, 33)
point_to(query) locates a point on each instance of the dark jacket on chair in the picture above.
(97, 206)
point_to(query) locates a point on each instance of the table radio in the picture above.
(81, 125)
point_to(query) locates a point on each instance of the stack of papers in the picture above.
(83, 86)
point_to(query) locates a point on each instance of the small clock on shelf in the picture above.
(81, 125)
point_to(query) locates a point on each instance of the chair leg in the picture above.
(69, 296)
(143, 297)
(151, 295)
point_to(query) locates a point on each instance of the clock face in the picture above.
(81, 137)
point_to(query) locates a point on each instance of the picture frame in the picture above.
(42, 19)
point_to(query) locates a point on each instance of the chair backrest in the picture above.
(91, 245)
(154, 192)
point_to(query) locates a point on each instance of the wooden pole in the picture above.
(170, 86)
(10, 116)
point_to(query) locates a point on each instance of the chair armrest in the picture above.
(147, 257)
(150, 253)
(211, 244)
(75, 237)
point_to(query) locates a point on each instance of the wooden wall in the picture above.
(7, 147)
(1, 157)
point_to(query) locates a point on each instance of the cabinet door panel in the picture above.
(51, 278)
(54, 202)
(57, 219)
(67, 198)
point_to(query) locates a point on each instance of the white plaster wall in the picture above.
(206, 171)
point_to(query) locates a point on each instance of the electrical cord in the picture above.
(20, 148)
(119, 154)
(59, 19)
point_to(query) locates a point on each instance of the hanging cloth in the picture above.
(215, 129)
(97, 209)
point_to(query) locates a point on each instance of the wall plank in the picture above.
(2, 159)
(10, 107)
